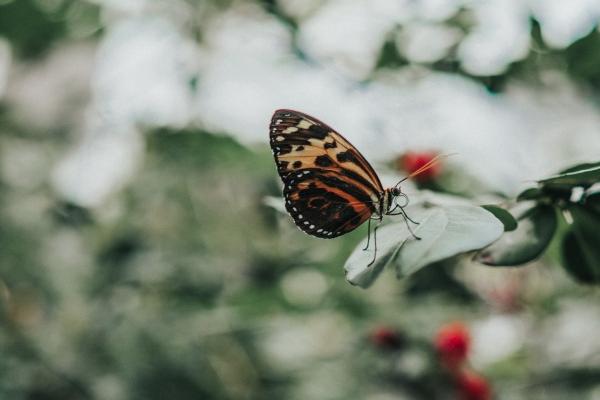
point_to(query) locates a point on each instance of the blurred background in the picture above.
(140, 260)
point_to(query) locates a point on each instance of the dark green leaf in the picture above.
(592, 202)
(536, 228)
(574, 260)
(530, 194)
(580, 167)
(581, 175)
(585, 220)
(509, 222)
(581, 248)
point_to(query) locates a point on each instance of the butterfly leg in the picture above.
(393, 210)
(406, 219)
(375, 244)
(368, 234)
(403, 213)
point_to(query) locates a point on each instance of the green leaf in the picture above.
(581, 175)
(358, 270)
(592, 202)
(389, 239)
(530, 194)
(580, 167)
(444, 232)
(464, 228)
(581, 247)
(536, 228)
(575, 262)
(429, 231)
(585, 220)
(275, 202)
(509, 222)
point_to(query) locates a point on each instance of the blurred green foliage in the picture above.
(32, 27)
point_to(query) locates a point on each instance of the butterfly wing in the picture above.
(329, 187)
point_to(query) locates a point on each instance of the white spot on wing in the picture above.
(304, 124)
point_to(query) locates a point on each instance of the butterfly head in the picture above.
(390, 199)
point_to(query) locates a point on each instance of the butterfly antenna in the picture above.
(430, 164)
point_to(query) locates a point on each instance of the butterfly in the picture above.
(330, 188)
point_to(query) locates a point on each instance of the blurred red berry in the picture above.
(473, 387)
(413, 160)
(385, 337)
(452, 343)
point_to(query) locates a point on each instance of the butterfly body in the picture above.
(329, 187)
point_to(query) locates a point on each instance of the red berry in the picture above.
(473, 387)
(385, 337)
(413, 160)
(452, 343)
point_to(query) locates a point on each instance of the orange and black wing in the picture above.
(329, 187)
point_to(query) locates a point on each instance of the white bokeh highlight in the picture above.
(497, 337)
(501, 36)
(143, 72)
(100, 165)
(5, 63)
(427, 43)
(351, 44)
(564, 22)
